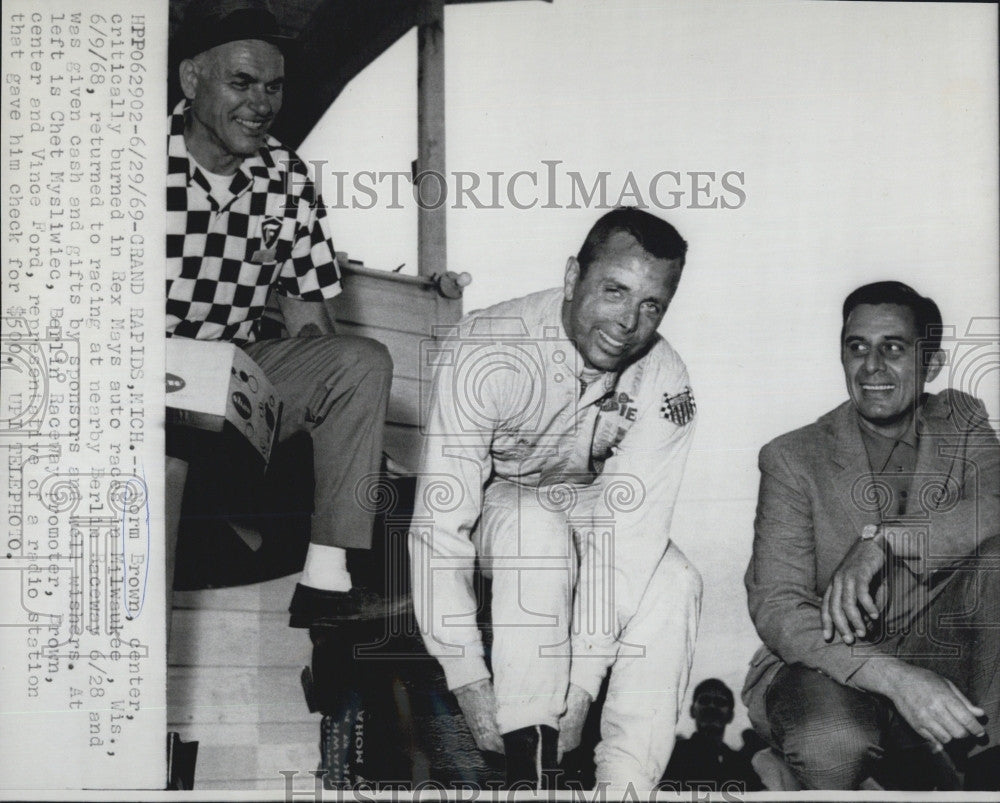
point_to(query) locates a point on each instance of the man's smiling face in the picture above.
(235, 91)
(882, 366)
(611, 312)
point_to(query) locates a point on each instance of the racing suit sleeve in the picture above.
(455, 464)
(633, 506)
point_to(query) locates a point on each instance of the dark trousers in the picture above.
(834, 736)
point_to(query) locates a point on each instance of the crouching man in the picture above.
(557, 435)
(874, 576)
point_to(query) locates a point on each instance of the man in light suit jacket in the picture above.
(876, 564)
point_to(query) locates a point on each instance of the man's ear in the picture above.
(189, 78)
(732, 713)
(935, 363)
(571, 278)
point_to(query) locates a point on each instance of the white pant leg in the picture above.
(646, 690)
(528, 550)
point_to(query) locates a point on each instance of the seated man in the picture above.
(243, 221)
(704, 761)
(558, 430)
(874, 576)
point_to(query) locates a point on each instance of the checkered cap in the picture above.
(224, 255)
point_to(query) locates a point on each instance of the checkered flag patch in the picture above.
(680, 408)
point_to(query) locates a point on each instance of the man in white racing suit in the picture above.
(555, 444)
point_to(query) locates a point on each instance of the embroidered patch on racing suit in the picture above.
(679, 408)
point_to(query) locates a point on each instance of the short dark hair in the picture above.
(714, 684)
(926, 315)
(654, 234)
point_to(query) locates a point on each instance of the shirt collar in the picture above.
(909, 437)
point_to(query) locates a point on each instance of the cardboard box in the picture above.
(216, 387)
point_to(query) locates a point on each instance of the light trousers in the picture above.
(530, 541)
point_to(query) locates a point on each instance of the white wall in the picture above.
(866, 133)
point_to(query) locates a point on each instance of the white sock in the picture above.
(326, 569)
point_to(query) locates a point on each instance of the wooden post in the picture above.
(431, 214)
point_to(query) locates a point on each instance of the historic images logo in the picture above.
(544, 187)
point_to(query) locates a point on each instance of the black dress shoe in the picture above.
(311, 607)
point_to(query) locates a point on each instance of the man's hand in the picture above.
(571, 723)
(931, 704)
(306, 318)
(850, 585)
(479, 708)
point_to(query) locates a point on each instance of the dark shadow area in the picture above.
(224, 486)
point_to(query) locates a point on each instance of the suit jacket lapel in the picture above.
(934, 482)
(851, 478)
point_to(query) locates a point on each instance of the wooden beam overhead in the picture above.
(430, 178)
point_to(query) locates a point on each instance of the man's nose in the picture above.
(260, 101)
(874, 361)
(628, 317)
